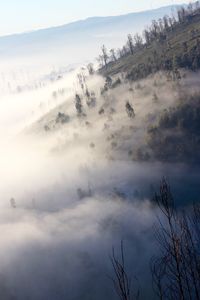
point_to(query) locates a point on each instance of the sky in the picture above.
(26, 15)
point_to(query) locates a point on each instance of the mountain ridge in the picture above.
(85, 20)
(76, 42)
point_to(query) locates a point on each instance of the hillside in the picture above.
(146, 124)
(83, 152)
(175, 45)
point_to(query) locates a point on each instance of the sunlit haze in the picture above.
(99, 150)
(23, 15)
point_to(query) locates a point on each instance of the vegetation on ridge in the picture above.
(168, 44)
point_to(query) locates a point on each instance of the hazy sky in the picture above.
(25, 15)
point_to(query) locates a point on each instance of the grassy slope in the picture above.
(144, 137)
(181, 34)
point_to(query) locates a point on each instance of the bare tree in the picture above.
(166, 22)
(121, 280)
(181, 14)
(125, 51)
(81, 80)
(176, 271)
(147, 36)
(120, 53)
(138, 41)
(130, 43)
(155, 29)
(113, 55)
(90, 68)
(100, 60)
(161, 24)
(104, 55)
(130, 111)
(78, 105)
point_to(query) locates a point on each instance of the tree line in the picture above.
(155, 38)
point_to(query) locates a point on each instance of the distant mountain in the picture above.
(77, 41)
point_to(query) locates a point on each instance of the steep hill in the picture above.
(170, 46)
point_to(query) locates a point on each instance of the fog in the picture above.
(70, 191)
